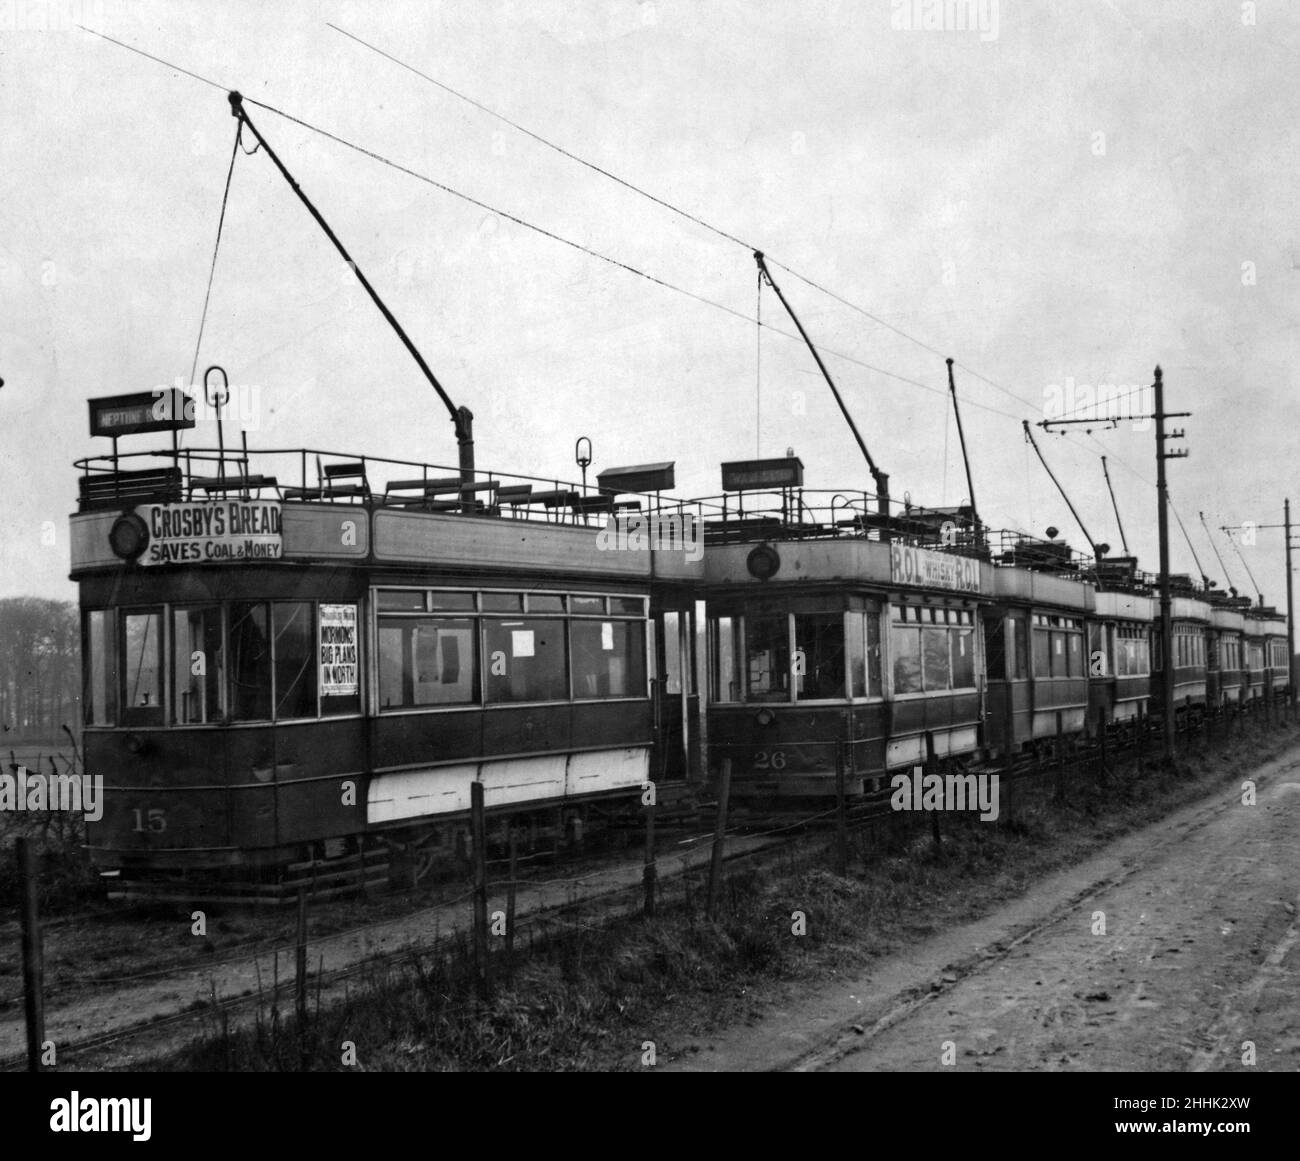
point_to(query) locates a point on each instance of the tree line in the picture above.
(40, 668)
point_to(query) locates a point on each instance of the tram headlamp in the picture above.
(129, 536)
(765, 717)
(763, 562)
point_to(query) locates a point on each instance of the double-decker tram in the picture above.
(289, 679)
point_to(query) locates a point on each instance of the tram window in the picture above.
(1018, 651)
(525, 660)
(295, 659)
(872, 624)
(906, 644)
(545, 603)
(1042, 653)
(100, 686)
(995, 648)
(430, 661)
(142, 669)
(628, 606)
(819, 637)
(725, 651)
(197, 661)
(767, 657)
(963, 659)
(503, 602)
(671, 623)
(400, 601)
(856, 643)
(608, 658)
(1074, 651)
(250, 662)
(935, 662)
(336, 664)
(587, 605)
(451, 602)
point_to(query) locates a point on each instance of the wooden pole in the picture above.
(651, 871)
(33, 959)
(300, 978)
(478, 828)
(510, 900)
(720, 828)
(841, 815)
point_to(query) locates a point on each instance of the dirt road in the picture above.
(1173, 950)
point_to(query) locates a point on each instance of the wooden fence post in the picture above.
(720, 827)
(478, 828)
(33, 959)
(650, 872)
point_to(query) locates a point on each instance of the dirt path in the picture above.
(1199, 953)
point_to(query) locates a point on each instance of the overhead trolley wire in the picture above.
(543, 230)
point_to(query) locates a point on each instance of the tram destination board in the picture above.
(165, 409)
(212, 532)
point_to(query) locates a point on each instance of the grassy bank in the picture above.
(591, 997)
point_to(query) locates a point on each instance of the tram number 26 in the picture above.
(769, 759)
(145, 820)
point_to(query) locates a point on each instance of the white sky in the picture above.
(950, 182)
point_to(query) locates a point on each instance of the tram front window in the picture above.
(250, 662)
(767, 653)
(100, 684)
(197, 660)
(819, 656)
(295, 656)
(142, 669)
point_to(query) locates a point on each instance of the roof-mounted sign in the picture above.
(750, 475)
(638, 478)
(166, 409)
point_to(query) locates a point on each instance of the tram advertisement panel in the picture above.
(211, 532)
(935, 570)
(338, 650)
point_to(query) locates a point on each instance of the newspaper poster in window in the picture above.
(338, 650)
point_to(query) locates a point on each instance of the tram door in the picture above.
(677, 700)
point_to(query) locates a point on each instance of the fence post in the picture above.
(300, 978)
(720, 827)
(510, 901)
(1060, 758)
(478, 828)
(841, 815)
(650, 872)
(33, 960)
(1103, 772)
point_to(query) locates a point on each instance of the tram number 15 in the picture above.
(765, 760)
(153, 820)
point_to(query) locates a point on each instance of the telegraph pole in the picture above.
(1162, 514)
(1166, 617)
(1290, 608)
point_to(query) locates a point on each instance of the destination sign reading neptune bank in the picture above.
(211, 532)
(939, 570)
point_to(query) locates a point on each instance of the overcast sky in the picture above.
(1069, 192)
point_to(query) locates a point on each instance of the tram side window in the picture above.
(250, 662)
(767, 657)
(197, 665)
(963, 659)
(525, 661)
(864, 653)
(100, 676)
(295, 659)
(1042, 653)
(725, 652)
(608, 658)
(672, 675)
(1018, 648)
(995, 647)
(142, 668)
(906, 645)
(819, 642)
(427, 661)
